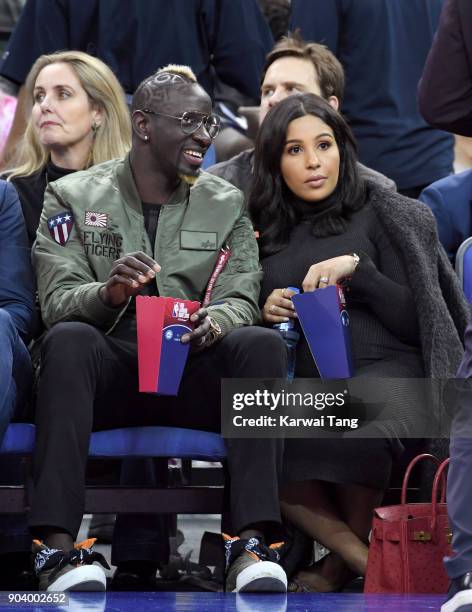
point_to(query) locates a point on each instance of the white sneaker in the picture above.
(57, 570)
(253, 567)
(460, 599)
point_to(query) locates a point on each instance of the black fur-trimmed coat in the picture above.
(442, 310)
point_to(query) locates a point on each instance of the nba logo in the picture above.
(179, 311)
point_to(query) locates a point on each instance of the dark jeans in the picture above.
(15, 370)
(15, 385)
(459, 503)
(89, 382)
(459, 481)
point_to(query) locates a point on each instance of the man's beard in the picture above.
(190, 179)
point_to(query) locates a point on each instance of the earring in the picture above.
(146, 137)
(95, 128)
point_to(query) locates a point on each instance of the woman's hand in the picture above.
(279, 307)
(329, 272)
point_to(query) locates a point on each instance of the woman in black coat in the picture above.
(320, 224)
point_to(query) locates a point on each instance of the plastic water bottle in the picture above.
(291, 337)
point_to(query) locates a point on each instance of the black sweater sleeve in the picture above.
(390, 300)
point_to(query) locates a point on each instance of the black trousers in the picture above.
(89, 382)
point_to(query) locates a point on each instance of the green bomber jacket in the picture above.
(93, 217)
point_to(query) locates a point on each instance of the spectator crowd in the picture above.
(312, 144)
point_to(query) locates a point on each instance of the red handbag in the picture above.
(410, 541)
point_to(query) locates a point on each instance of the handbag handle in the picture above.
(411, 465)
(437, 477)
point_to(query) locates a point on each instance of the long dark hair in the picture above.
(271, 203)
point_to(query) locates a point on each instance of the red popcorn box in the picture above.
(161, 323)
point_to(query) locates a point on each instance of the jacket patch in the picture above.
(102, 244)
(96, 219)
(60, 227)
(198, 241)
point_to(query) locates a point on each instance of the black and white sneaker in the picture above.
(460, 595)
(57, 570)
(251, 566)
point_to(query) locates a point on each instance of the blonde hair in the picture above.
(185, 71)
(112, 139)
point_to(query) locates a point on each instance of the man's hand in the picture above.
(197, 337)
(127, 277)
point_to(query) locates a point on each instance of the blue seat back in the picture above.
(131, 442)
(210, 157)
(464, 267)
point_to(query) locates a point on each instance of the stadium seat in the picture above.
(450, 201)
(165, 442)
(18, 440)
(464, 267)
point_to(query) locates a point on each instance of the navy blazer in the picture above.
(17, 286)
(445, 90)
(383, 45)
(450, 199)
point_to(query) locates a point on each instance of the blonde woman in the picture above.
(78, 118)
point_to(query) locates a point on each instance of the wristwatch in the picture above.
(214, 333)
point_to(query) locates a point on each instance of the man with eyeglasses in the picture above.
(149, 224)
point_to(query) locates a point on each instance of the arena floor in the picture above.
(209, 602)
(193, 527)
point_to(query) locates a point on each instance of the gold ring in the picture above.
(283, 292)
(272, 308)
(324, 279)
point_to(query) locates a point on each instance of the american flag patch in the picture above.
(96, 219)
(60, 227)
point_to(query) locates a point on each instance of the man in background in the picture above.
(226, 38)
(293, 66)
(382, 46)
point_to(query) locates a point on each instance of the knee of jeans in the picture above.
(7, 326)
(270, 339)
(7, 405)
(70, 340)
(262, 343)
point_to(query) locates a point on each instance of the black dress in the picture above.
(384, 338)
